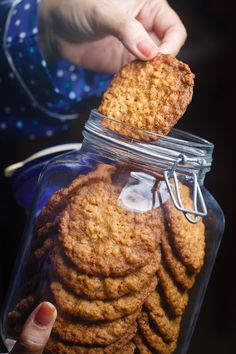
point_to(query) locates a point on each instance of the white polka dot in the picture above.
(57, 90)
(14, 12)
(74, 77)
(72, 68)
(7, 110)
(9, 39)
(43, 63)
(22, 35)
(27, 6)
(72, 95)
(35, 30)
(49, 132)
(19, 124)
(86, 88)
(11, 76)
(60, 73)
(18, 22)
(3, 126)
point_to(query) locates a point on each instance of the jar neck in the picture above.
(182, 152)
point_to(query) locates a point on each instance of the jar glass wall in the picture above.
(122, 238)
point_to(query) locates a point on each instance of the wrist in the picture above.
(48, 41)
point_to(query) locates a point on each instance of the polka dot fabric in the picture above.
(38, 99)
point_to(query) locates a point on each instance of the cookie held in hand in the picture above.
(149, 96)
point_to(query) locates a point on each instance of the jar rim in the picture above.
(167, 147)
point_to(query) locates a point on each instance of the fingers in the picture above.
(36, 331)
(129, 31)
(170, 29)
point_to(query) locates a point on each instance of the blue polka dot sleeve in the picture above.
(59, 90)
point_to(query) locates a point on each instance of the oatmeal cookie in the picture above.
(96, 288)
(122, 346)
(21, 310)
(188, 239)
(99, 310)
(102, 334)
(154, 339)
(58, 200)
(140, 345)
(41, 252)
(181, 274)
(151, 96)
(167, 327)
(176, 299)
(101, 238)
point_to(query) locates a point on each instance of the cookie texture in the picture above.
(176, 298)
(154, 340)
(122, 346)
(150, 96)
(182, 275)
(188, 239)
(99, 310)
(58, 201)
(101, 334)
(101, 238)
(100, 288)
(140, 345)
(21, 310)
(167, 327)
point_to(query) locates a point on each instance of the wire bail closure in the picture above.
(199, 206)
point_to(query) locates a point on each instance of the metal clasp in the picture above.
(199, 206)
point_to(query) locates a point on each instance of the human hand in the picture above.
(36, 330)
(106, 34)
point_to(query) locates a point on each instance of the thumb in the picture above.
(36, 330)
(130, 32)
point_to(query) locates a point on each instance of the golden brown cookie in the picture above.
(58, 200)
(102, 334)
(140, 345)
(167, 327)
(21, 310)
(101, 238)
(154, 339)
(176, 299)
(122, 346)
(102, 288)
(149, 95)
(181, 274)
(41, 252)
(188, 238)
(99, 310)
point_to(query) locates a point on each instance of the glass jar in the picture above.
(122, 238)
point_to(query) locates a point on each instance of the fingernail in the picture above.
(147, 48)
(44, 315)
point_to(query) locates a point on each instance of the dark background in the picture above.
(210, 52)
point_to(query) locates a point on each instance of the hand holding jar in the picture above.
(36, 331)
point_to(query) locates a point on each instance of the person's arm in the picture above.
(57, 89)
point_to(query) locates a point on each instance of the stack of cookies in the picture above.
(182, 245)
(97, 263)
